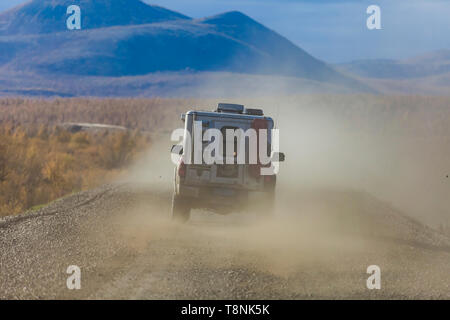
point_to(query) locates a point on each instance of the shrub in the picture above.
(38, 166)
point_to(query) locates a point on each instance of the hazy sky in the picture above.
(335, 30)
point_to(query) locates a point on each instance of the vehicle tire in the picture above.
(181, 211)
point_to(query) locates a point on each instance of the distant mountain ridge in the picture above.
(130, 38)
(427, 65)
(48, 16)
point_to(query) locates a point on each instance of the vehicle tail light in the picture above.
(270, 182)
(182, 169)
(258, 124)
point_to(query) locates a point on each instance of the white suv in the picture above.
(220, 186)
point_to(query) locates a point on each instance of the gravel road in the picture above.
(318, 247)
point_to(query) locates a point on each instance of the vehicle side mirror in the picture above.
(278, 157)
(177, 149)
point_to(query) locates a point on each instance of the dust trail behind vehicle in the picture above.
(395, 148)
(353, 192)
(328, 228)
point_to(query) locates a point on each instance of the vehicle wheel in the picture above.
(181, 210)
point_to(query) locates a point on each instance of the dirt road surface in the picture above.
(318, 246)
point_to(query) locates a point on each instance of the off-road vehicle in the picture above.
(222, 188)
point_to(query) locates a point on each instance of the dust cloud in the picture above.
(350, 179)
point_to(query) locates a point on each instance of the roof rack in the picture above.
(254, 112)
(230, 108)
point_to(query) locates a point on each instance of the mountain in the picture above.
(280, 56)
(130, 38)
(431, 64)
(47, 16)
(427, 74)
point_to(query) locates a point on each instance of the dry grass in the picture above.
(141, 114)
(39, 162)
(38, 165)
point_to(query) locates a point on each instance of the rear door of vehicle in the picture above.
(229, 174)
(225, 175)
